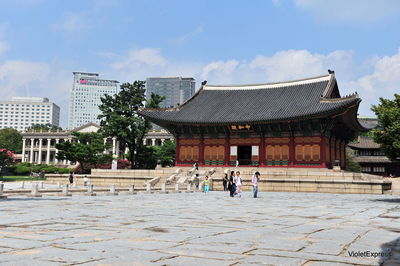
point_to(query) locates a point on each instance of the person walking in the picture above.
(196, 182)
(232, 184)
(238, 183)
(71, 178)
(225, 182)
(85, 181)
(206, 184)
(254, 180)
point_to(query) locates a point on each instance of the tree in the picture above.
(166, 153)
(388, 132)
(7, 158)
(44, 127)
(87, 150)
(121, 120)
(351, 164)
(11, 139)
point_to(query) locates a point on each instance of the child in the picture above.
(85, 181)
(206, 184)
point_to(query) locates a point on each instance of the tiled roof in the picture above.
(364, 142)
(300, 99)
(369, 123)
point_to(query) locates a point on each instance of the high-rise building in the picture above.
(85, 97)
(22, 112)
(175, 89)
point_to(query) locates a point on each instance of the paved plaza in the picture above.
(200, 229)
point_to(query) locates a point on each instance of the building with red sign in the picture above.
(300, 123)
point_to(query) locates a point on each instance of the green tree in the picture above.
(87, 150)
(166, 153)
(44, 127)
(351, 164)
(388, 132)
(11, 139)
(120, 119)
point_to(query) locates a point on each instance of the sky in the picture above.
(224, 42)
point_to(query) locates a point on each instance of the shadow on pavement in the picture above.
(392, 200)
(31, 198)
(390, 253)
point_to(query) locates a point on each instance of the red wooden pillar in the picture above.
(291, 151)
(201, 155)
(262, 151)
(322, 145)
(177, 151)
(227, 151)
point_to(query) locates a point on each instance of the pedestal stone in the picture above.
(65, 191)
(1, 191)
(113, 191)
(90, 191)
(189, 188)
(35, 191)
(164, 188)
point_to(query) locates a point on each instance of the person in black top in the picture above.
(225, 182)
(71, 178)
(232, 184)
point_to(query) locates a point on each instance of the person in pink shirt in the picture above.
(254, 180)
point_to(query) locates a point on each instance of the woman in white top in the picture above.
(238, 183)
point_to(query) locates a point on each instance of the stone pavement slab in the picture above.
(200, 229)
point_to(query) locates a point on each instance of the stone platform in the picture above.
(272, 179)
(277, 228)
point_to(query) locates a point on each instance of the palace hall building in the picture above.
(299, 123)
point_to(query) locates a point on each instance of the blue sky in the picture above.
(225, 42)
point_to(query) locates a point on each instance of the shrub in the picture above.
(64, 170)
(22, 170)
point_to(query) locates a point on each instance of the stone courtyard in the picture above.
(277, 228)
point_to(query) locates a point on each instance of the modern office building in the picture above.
(176, 89)
(22, 112)
(85, 97)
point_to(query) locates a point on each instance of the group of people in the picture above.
(71, 178)
(233, 184)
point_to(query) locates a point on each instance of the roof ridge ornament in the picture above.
(270, 85)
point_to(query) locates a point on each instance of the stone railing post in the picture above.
(132, 189)
(164, 188)
(177, 188)
(113, 190)
(35, 190)
(1, 191)
(65, 190)
(148, 187)
(90, 191)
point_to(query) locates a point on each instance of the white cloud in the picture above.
(373, 78)
(28, 78)
(149, 57)
(74, 25)
(283, 65)
(384, 81)
(356, 11)
(198, 30)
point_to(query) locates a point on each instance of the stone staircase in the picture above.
(272, 179)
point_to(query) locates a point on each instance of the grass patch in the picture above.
(20, 178)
